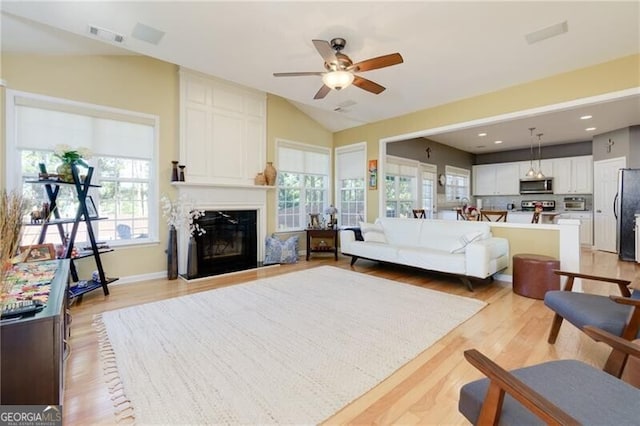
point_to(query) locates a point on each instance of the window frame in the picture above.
(451, 195)
(303, 214)
(360, 147)
(414, 184)
(14, 175)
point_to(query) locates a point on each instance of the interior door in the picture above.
(605, 186)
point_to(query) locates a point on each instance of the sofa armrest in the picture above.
(481, 257)
(347, 236)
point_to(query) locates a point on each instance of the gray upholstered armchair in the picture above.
(617, 315)
(566, 392)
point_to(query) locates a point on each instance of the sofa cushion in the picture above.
(401, 231)
(372, 232)
(466, 239)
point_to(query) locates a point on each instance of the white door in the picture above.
(428, 192)
(605, 186)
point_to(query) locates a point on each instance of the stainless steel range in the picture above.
(530, 205)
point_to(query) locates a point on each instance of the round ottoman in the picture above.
(533, 275)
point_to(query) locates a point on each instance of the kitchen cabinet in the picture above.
(573, 175)
(496, 179)
(586, 225)
(545, 165)
(519, 217)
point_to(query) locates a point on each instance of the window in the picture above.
(457, 186)
(303, 183)
(400, 187)
(428, 188)
(123, 144)
(350, 184)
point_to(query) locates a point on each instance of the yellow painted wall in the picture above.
(620, 74)
(129, 82)
(532, 241)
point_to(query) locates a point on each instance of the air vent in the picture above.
(107, 35)
(347, 103)
(548, 32)
(147, 33)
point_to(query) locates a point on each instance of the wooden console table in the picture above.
(33, 350)
(322, 241)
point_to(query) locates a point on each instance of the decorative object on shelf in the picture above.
(174, 171)
(539, 175)
(260, 179)
(180, 214)
(314, 221)
(270, 173)
(12, 210)
(91, 207)
(531, 172)
(332, 212)
(37, 252)
(181, 177)
(373, 174)
(172, 254)
(69, 157)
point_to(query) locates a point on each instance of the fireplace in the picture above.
(229, 243)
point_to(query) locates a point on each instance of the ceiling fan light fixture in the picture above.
(337, 80)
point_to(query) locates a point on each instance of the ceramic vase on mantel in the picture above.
(260, 179)
(172, 254)
(270, 173)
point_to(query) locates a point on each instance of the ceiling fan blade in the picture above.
(368, 85)
(324, 49)
(295, 74)
(324, 90)
(379, 62)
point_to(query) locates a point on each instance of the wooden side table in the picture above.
(322, 240)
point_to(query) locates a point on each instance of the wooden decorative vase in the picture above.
(270, 173)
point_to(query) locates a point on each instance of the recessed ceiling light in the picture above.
(482, 134)
(585, 117)
(590, 129)
(497, 142)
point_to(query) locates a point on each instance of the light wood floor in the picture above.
(511, 330)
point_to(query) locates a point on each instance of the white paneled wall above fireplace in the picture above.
(222, 130)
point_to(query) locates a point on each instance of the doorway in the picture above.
(605, 186)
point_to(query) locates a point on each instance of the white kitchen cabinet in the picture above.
(586, 225)
(496, 179)
(447, 215)
(573, 175)
(546, 165)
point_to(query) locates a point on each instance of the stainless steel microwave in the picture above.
(536, 186)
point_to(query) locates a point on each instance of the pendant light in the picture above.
(539, 175)
(531, 173)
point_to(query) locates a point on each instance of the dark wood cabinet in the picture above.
(322, 241)
(32, 350)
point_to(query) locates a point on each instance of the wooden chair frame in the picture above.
(419, 214)
(503, 382)
(497, 215)
(614, 364)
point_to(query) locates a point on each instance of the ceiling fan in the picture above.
(340, 69)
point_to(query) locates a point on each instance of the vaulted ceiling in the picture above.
(451, 50)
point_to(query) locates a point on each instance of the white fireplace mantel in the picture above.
(224, 197)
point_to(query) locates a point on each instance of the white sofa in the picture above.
(465, 249)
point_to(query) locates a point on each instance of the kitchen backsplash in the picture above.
(500, 202)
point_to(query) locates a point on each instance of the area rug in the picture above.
(289, 349)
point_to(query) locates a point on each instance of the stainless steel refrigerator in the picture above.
(625, 206)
